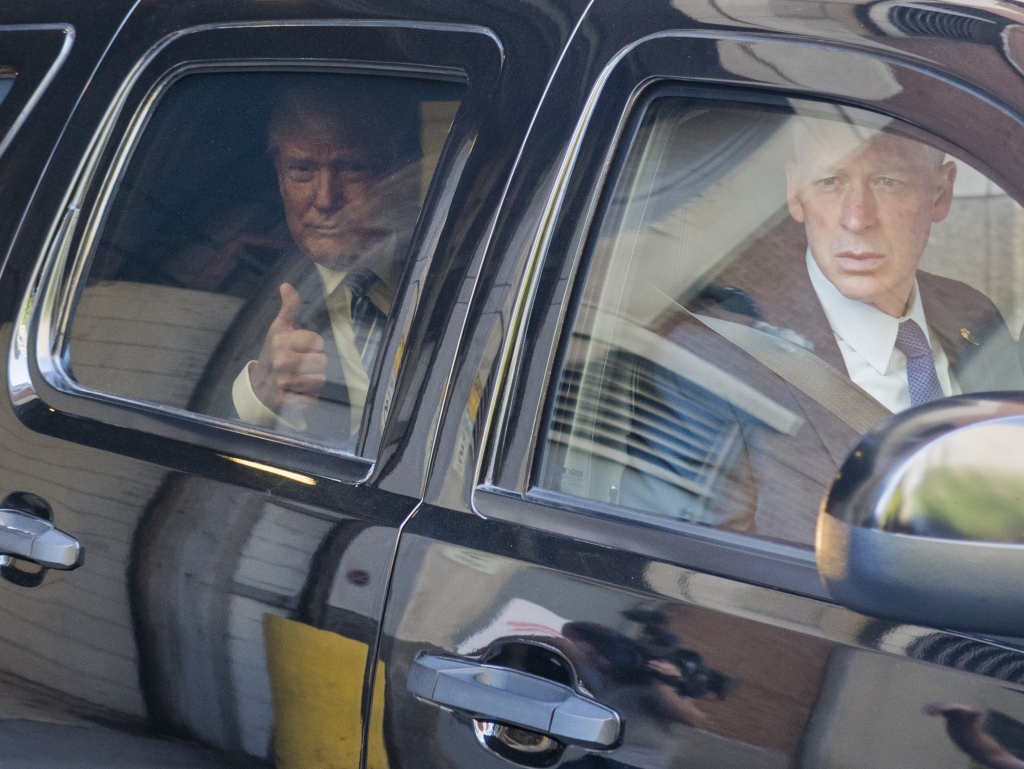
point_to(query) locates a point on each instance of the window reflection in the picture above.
(252, 257)
(768, 282)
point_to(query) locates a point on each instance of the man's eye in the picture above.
(352, 170)
(828, 183)
(301, 172)
(889, 183)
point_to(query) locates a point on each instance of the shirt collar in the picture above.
(382, 262)
(868, 330)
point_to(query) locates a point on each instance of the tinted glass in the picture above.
(254, 250)
(767, 282)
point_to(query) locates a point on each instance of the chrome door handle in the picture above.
(512, 697)
(36, 539)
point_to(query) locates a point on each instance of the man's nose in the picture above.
(859, 208)
(328, 194)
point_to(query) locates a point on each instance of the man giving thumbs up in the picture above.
(345, 195)
(292, 367)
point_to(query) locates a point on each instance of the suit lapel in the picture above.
(774, 274)
(942, 324)
(798, 309)
(981, 352)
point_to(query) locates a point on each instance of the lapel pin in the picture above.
(966, 334)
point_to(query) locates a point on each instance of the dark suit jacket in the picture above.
(775, 481)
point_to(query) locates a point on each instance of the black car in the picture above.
(436, 384)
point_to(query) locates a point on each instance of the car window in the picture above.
(767, 281)
(254, 250)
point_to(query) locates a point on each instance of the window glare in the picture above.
(262, 212)
(744, 315)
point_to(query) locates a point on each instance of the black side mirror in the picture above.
(925, 520)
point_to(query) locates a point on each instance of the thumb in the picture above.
(290, 304)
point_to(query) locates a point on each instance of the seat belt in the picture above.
(801, 368)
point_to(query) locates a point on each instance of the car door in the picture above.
(614, 564)
(47, 57)
(217, 585)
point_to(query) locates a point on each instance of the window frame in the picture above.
(36, 53)
(40, 386)
(555, 273)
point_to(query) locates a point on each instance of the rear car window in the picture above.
(255, 246)
(768, 280)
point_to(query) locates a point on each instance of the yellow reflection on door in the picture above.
(316, 680)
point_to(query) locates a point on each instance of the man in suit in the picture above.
(347, 194)
(841, 276)
(867, 201)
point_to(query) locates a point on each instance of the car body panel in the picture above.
(535, 566)
(219, 562)
(165, 630)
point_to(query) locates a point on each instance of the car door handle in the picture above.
(35, 539)
(512, 697)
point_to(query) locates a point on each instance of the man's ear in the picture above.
(796, 208)
(944, 199)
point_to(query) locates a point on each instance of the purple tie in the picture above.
(921, 376)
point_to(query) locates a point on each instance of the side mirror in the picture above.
(925, 520)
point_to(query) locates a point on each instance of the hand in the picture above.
(292, 367)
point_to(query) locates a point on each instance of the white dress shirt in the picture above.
(867, 340)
